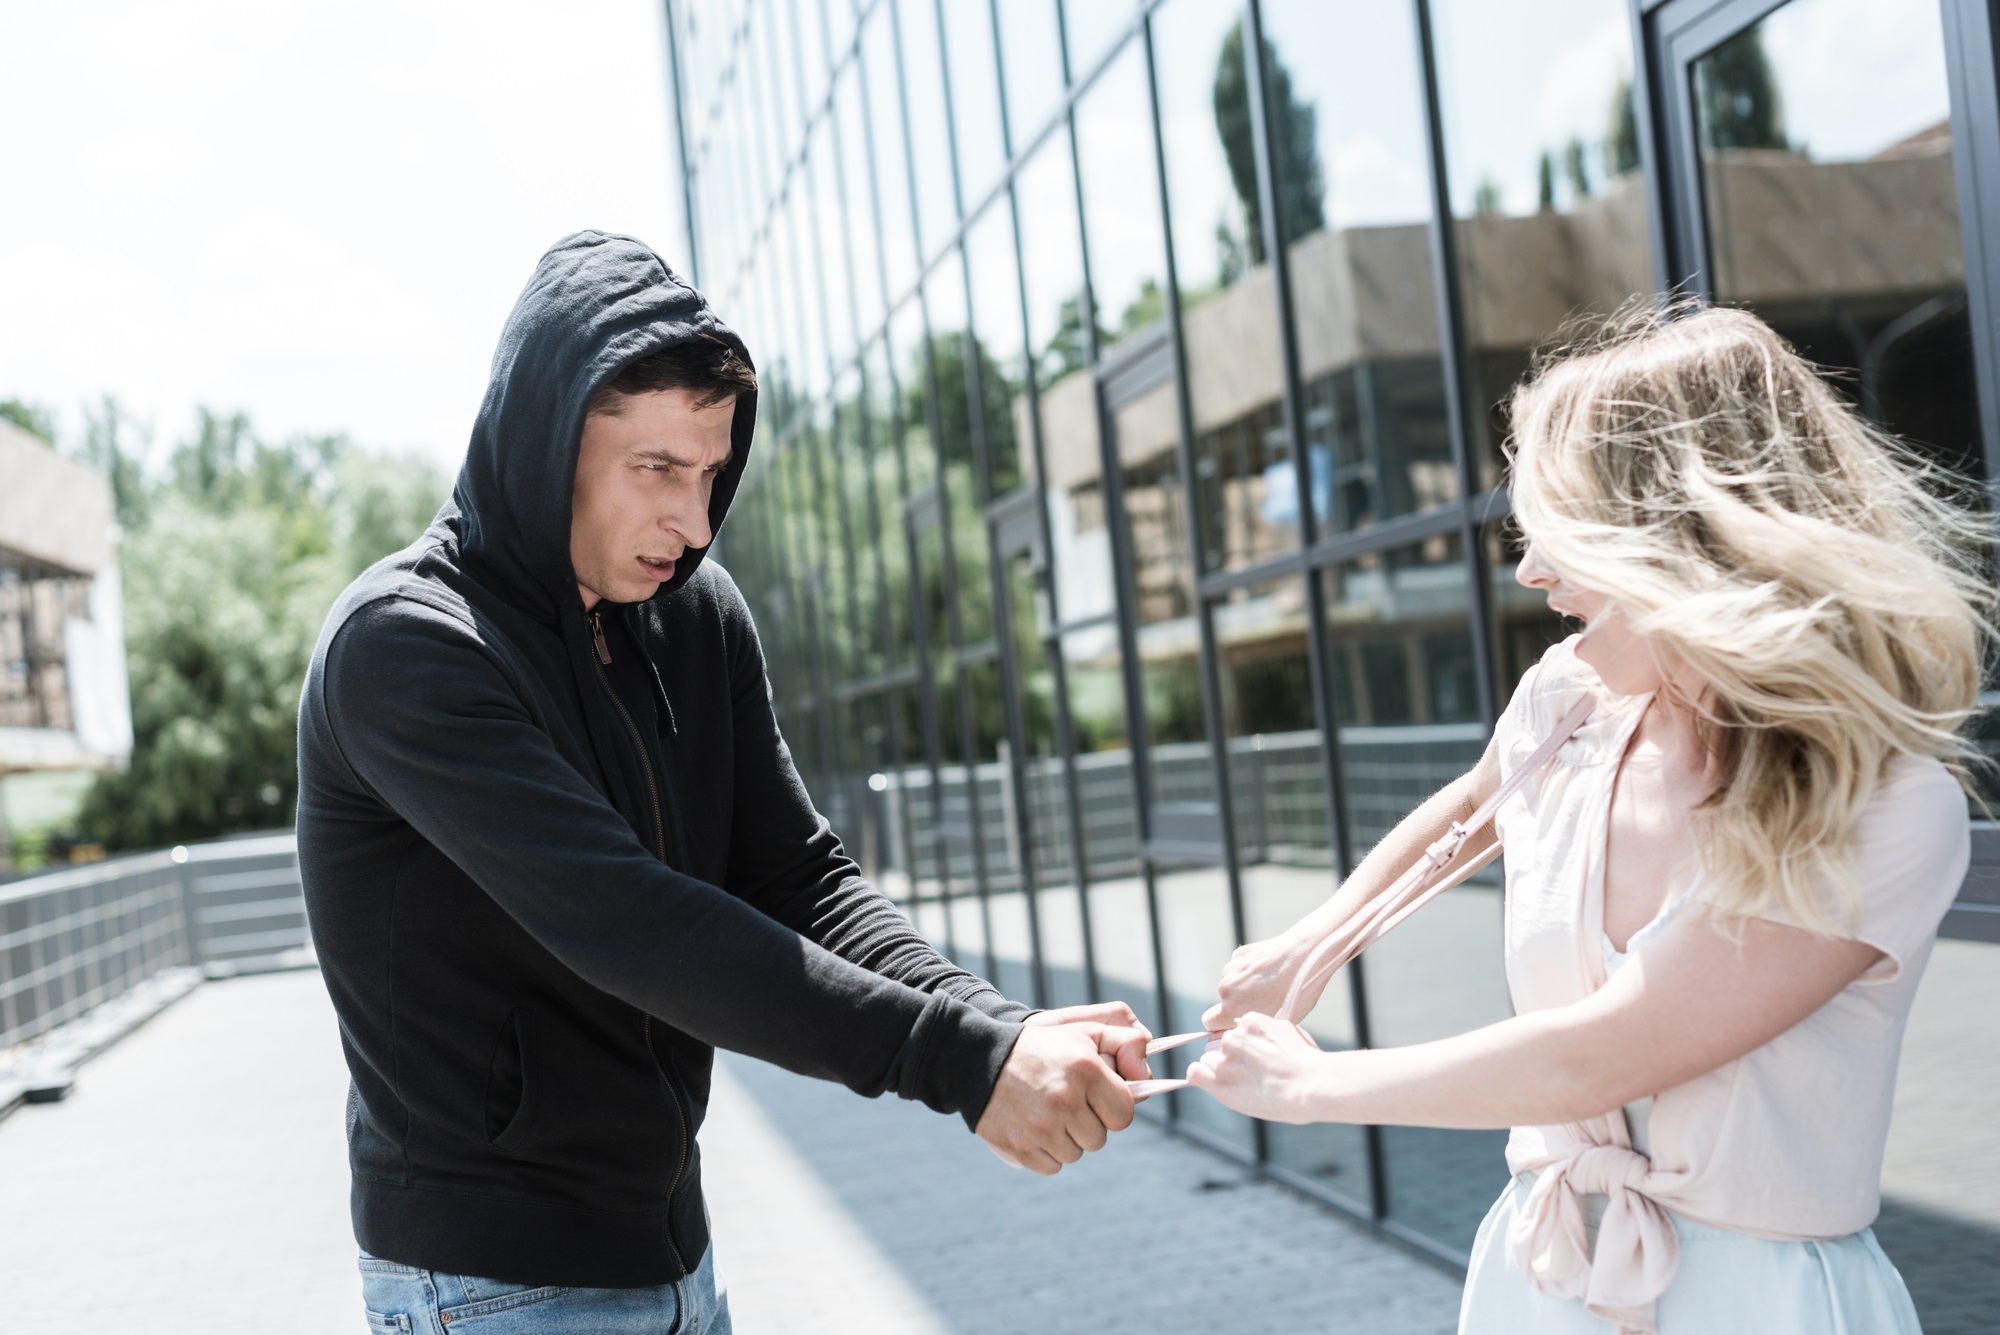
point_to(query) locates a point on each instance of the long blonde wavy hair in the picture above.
(1829, 589)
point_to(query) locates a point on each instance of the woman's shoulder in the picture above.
(1545, 694)
(1917, 797)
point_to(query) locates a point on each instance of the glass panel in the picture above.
(1399, 650)
(891, 159)
(1163, 594)
(930, 145)
(1045, 783)
(1198, 65)
(1940, 1223)
(1121, 201)
(1229, 321)
(821, 212)
(975, 96)
(808, 24)
(1122, 934)
(1094, 672)
(944, 294)
(856, 181)
(1825, 139)
(996, 320)
(968, 934)
(1052, 272)
(1031, 57)
(910, 358)
(768, 39)
(1524, 628)
(859, 533)
(1543, 155)
(1354, 207)
(1093, 25)
(1277, 782)
(886, 514)
(1052, 264)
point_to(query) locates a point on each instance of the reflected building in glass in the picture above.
(1128, 527)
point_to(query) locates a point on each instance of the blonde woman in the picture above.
(1722, 891)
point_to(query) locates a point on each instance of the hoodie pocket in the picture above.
(511, 1088)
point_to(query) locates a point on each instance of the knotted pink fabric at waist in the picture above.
(1637, 1247)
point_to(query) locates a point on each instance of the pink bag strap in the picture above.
(1416, 887)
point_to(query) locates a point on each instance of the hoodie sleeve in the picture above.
(785, 858)
(429, 725)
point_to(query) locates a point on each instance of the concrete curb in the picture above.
(46, 1072)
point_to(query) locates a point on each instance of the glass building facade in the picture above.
(1127, 526)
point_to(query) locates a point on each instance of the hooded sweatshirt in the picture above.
(543, 887)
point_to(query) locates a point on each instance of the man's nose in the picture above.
(689, 520)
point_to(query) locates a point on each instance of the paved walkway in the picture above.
(196, 1182)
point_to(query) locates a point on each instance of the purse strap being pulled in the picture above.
(1425, 880)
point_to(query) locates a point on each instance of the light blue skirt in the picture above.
(1726, 1284)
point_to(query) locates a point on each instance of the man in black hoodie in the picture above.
(555, 851)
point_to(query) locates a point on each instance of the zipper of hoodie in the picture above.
(603, 657)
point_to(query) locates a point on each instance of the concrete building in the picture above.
(64, 703)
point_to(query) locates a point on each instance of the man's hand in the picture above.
(1057, 1096)
(1129, 1059)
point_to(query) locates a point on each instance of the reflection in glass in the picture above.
(1045, 783)
(944, 297)
(1163, 595)
(1354, 209)
(1094, 672)
(1052, 274)
(823, 217)
(1031, 59)
(1399, 660)
(1524, 628)
(930, 144)
(1092, 26)
(1121, 201)
(1542, 151)
(856, 182)
(1825, 140)
(1399, 653)
(975, 96)
(890, 158)
(1002, 360)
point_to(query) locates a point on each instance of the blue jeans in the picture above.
(406, 1300)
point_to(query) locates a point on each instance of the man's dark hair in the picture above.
(705, 365)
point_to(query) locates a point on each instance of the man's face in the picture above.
(643, 479)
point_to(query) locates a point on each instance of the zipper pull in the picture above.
(597, 634)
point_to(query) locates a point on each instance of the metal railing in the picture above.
(1277, 781)
(74, 939)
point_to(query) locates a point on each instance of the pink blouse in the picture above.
(1785, 1142)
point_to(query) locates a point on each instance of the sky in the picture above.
(315, 213)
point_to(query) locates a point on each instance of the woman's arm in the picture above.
(1258, 975)
(1690, 1001)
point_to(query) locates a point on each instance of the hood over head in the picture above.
(597, 301)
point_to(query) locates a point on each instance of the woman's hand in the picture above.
(1265, 1068)
(1257, 979)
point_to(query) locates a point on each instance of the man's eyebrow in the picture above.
(669, 457)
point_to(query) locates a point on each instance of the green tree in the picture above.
(1294, 129)
(1545, 183)
(1576, 167)
(1621, 137)
(231, 557)
(1737, 94)
(32, 418)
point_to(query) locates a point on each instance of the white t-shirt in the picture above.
(1785, 1142)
